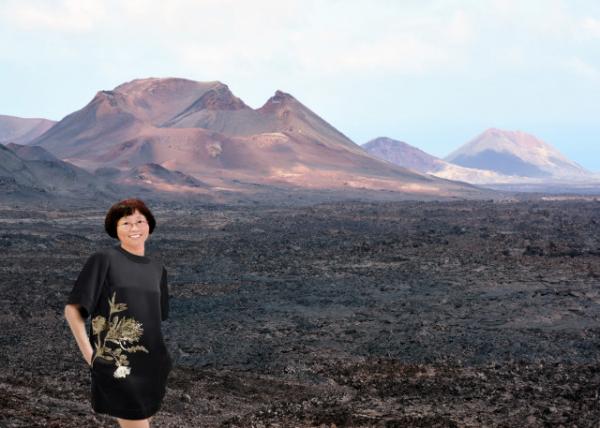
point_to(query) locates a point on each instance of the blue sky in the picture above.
(432, 73)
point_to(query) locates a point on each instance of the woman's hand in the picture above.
(88, 356)
(77, 325)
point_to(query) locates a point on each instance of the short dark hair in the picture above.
(125, 208)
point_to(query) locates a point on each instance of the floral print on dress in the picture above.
(114, 337)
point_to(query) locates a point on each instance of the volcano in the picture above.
(202, 130)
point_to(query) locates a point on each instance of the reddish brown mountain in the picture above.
(403, 154)
(203, 131)
(22, 130)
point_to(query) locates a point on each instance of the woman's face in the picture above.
(133, 230)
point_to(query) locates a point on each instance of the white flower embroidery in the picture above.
(122, 371)
(121, 332)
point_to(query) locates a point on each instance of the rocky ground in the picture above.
(390, 314)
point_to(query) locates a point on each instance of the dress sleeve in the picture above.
(164, 295)
(88, 286)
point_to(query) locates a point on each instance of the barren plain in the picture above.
(349, 314)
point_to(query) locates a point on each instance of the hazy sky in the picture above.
(431, 73)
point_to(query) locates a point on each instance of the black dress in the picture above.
(127, 297)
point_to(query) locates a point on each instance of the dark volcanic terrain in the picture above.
(399, 314)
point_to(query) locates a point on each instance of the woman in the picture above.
(126, 295)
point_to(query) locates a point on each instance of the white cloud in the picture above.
(402, 53)
(314, 37)
(582, 68)
(319, 38)
(63, 16)
(460, 28)
(591, 27)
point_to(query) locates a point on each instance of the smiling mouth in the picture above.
(135, 236)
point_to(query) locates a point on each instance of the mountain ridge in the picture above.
(409, 156)
(21, 130)
(203, 130)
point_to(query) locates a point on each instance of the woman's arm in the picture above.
(77, 324)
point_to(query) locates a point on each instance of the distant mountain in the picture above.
(403, 154)
(31, 152)
(22, 130)
(53, 174)
(515, 153)
(14, 171)
(39, 172)
(202, 131)
(549, 171)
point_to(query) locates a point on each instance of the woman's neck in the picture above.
(139, 251)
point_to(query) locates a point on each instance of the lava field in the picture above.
(346, 314)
